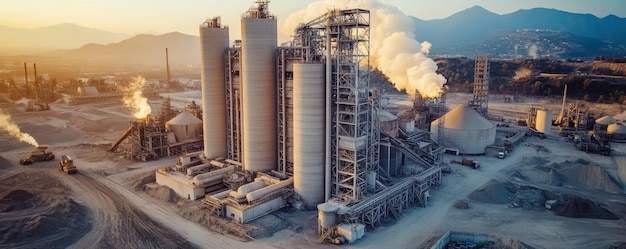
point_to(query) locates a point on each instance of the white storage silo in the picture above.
(543, 122)
(308, 129)
(388, 123)
(258, 89)
(465, 129)
(603, 123)
(617, 132)
(213, 44)
(184, 126)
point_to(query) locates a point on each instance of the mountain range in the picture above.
(61, 36)
(524, 33)
(471, 30)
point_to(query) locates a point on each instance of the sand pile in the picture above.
(576, 207)
(19, 199)
(139, 184)
(35, 211)
(493, 192)
(579, 174)
(163, 193)
(589, 177)
(528, 197)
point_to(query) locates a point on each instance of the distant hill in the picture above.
(61, 36)
(140, 49)
(474, 26)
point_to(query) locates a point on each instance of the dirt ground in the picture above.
(106, 205)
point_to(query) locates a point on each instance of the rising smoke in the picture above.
(6, 124)
(394, 49)
(134, 98)
(532, 51)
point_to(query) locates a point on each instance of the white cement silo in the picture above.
(308, 128)
(213, 44)
(258, 89)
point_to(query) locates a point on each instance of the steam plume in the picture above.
(135, 99)
(393, 47)
(6, 124)
(532, 51)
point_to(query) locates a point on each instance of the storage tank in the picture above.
(258, 88)
(465, 129)
(543, 121)
(388, 122)
(259, 193)
(326, 215)
(213, 44)
(617, 132)
(603, 123)
(308, 128)
(185, 126)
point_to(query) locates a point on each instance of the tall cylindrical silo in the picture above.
(258, 89)
(308, 129)
(213, 44)
(543, 121)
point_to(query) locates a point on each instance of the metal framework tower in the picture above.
(286, 56)
(481, 85)
(340, 38)
(233, 101)
(347, 34)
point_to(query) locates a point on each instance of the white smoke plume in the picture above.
(6, 124)
(532, 51)
(134, 98)
(394, 49)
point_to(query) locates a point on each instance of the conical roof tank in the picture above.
(465, 129)
(213, 44)
(258, 88)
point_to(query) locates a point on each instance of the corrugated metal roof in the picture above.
(466, 118)
(184, 118)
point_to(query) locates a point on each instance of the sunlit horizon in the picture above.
(159, 17)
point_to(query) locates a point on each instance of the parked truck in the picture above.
(67, 165)
(40, 153)
(467, 162)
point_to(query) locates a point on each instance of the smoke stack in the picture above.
(36, 85)
(167, 66)
(26, 80)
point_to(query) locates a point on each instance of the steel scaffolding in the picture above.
(286, 56)
(340, 38)
(233, 102)
(481, 85)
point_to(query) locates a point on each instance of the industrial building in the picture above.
(299, 125)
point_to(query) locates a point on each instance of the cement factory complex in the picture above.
(296, 130)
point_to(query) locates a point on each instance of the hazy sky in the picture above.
(162, 16)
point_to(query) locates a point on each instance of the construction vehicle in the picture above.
(467, 162)
(67, 165)
(37, 106)
(39, 154)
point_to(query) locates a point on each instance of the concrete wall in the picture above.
(247, 215)
(181, 185)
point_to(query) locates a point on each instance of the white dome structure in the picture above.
(465, 129)
(617, 132)
(606, 120)
(185, 126)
